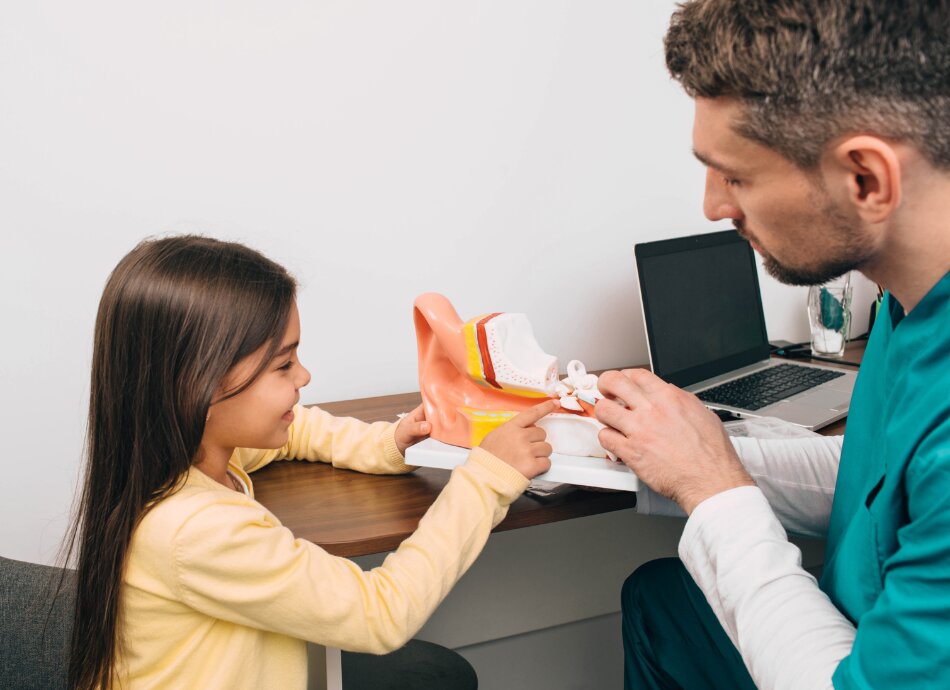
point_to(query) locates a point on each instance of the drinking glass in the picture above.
(829, 316)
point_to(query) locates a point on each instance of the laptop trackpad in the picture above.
(828, 399)
(806, 415)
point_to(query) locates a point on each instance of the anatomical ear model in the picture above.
(477, 374)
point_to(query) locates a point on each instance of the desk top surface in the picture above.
(354, 514)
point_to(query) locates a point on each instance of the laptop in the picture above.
(702, 311)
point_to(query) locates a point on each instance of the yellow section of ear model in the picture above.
(482, 422)
(473, 356)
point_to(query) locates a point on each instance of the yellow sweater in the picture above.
(218, 594)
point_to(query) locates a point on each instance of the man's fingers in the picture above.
(645, 380)
(618, 386)
(530, 416)
(615, 442)
(616, 416)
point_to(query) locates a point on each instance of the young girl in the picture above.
(184, 580)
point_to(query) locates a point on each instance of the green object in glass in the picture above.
(832, 313)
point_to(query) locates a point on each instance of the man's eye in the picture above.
(731, 181)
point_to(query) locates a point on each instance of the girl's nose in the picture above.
(303, 378)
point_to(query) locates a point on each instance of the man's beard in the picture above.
(813, 275)
(845, 251)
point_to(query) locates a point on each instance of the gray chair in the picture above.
(35, 624)
(418, 665)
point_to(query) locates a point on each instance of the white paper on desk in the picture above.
(567, 469)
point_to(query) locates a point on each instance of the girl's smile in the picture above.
(260, 415)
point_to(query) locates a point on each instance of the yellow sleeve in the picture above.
(233, 560)
(342, 441)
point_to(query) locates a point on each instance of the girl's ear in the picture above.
(867, 171)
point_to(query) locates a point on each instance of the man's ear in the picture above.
(867, 170)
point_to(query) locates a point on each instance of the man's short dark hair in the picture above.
(807, 71)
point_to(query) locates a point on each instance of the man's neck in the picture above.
(915, 252)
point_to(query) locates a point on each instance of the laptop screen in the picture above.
(701, 306)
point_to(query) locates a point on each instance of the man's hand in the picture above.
(522, 444)
(667, 437)
(411, 429)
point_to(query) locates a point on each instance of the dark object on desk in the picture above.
(35, 625)
(783, 345)
(546, 491)
(726, 415)
(787, 350)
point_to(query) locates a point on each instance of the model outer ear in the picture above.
(475, 376)
(459, 403)
(438, 327)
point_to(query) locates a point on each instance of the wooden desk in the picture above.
(352, 514)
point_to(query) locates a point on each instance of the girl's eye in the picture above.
(286, 367)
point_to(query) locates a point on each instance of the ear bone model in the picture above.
(477, 374)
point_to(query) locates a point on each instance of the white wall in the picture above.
(505, 153)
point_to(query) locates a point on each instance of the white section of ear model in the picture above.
(569, 402)
(518, 360)
(569, 434)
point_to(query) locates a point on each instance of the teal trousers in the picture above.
(671, 638)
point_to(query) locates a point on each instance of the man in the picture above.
(825, 129)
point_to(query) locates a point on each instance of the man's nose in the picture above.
(718, 203)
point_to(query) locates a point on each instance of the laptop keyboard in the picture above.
(767, 386)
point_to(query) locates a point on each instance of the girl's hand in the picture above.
(520, 443)
(411, 429)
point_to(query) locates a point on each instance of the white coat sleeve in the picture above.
(789, 634)
(796, 476)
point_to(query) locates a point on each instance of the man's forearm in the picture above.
(797, 477)
(788, 632)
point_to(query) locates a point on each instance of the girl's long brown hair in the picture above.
(176, 315)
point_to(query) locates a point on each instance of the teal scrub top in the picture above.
(887, 565)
